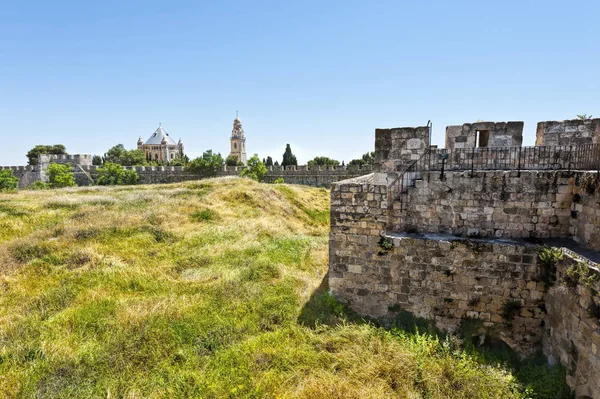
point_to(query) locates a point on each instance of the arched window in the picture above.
(172, 155)
(156, 157)
(235, 146)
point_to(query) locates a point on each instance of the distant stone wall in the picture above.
(488, 204)
(313, 176)
(572, 329)
(500, 134)
(75, 159)
(27, 175)
(571, 132)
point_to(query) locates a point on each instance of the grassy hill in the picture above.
(201, 289)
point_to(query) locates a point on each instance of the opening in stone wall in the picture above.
(483, 137)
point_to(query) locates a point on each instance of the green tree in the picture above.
(113, 174)
(8, 180)
(97, 160)
(61, 175)
(584, 117)
(367, 159)
(207, 165)
(179, 160)
(255, 170)
(232, 160)
(323, 161)
(35, 152)
(288, 158)
(118, 154)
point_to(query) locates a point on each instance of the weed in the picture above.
(579, 273)
(548, 257)
(386, 243)
(204, 215)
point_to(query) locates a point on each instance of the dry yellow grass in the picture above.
(198, 289)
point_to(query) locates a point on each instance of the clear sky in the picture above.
(320, 75)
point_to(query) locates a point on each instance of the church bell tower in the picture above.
(238, 141)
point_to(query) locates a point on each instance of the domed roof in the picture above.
(158, 136)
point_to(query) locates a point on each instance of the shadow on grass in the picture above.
(536, 378)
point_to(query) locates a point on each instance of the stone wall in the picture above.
(585, 215)
(500, 134)
(442, 278)
(86, 173)
(314, 176)
(572, 329)
(75, 159)
(395, 148)
(571, 132)
(27, 175)
(488, 204)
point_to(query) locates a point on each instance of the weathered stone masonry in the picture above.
(462, 247)
(85, 172)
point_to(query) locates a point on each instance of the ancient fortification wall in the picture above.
(585, 207)
(488, 204)
(314, 176)
(438, 277)
(86, 173)
(571, 132)
(572, 328)
(452, 235)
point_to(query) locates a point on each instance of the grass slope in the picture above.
(199, 289)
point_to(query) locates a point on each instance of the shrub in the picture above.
(279, 180)
(579, 273)
(256, 170)
(208, 164)
(323, 161)
(61, 176)
(386, 243)
(8, 180)
(549, 257)
(34, 154)
(112, 174)
(39, 185)
(232, 160)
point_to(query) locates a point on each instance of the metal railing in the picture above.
(571, 158)
(406, 178)
(579, 157)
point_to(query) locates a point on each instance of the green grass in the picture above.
(211, 289)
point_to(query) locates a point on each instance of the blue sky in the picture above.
(319, 75)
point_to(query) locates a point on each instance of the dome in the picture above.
(159, 136)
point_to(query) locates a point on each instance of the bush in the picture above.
(61, 176)
(256, 170)
(112, 174)
(232, 160)
(118, 154)
(34, 154)
(279, 180)
(548, 257)
(8, 180)
(207, 165)
(323, 161)
(39, 185)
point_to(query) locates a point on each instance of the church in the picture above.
(160, 147)
(238, 141)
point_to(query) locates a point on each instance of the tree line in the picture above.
(111, 171)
